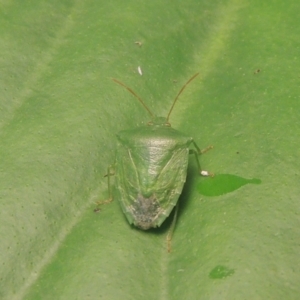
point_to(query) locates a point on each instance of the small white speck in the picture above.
(140, 70)
(204, 173)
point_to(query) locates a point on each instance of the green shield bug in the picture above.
(151, 168)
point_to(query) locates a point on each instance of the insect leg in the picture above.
(201, 151)
(172, 227)
(196, 153)
(110, 172)
(206, 149)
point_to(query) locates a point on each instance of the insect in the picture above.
(151, 168)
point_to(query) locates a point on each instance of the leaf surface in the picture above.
(59, 113)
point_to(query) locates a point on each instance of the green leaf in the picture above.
(60, 111)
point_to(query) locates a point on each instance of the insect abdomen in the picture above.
(145, 211)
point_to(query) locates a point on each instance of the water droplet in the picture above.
(220, 272)
(222, 184)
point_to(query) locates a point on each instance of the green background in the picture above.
(59, 113)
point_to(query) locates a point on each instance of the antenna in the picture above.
(179, 94)
(134, 94)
